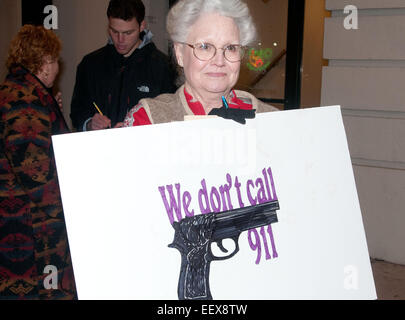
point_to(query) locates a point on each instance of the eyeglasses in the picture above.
(206, 51)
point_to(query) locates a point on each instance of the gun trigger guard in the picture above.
(223, 249)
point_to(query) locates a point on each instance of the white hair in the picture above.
(185, 13)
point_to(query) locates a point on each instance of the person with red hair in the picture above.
(33, 239)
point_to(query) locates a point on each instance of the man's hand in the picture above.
(99, 122)
(119, 125)
(58, 99)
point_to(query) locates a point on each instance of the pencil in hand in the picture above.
(98, 110)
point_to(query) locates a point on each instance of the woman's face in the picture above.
(50, 71)
(215, 76)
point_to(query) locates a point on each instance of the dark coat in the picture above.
(32, 225)
(116, 84)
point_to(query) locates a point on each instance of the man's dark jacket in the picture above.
(116, 84)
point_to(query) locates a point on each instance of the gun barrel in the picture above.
(233, 222)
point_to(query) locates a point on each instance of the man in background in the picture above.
(112, 79)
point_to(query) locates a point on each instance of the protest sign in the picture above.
(124, 189)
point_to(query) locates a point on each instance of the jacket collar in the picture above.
(22, 75)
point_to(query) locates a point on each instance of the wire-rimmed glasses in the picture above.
(206, 51)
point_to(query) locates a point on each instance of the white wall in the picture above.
(366, 75)
(10, 23)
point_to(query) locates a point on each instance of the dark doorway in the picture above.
(33, 11)
(295, 38)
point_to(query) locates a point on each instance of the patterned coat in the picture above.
(33, 240)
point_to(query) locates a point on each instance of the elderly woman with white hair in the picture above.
(210, 38)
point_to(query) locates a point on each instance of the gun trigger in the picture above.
(221, 246)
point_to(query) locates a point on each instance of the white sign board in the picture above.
(121, 188)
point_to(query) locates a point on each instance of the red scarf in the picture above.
(140, 117)
(197, 108)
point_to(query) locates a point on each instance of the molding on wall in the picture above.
(348, 112)
(353, 63)
(364, 4)
(394, 165)
(371, 12)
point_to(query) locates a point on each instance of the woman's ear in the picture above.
(178, 50)
(46, 67)
(44, 71)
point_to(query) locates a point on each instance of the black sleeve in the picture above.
(80, 109)
(165, 75)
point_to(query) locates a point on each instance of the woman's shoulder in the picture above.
(166, 107)
(12, 91)
(21, 90)
(164, 98)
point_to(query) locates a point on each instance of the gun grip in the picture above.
(195, 262)
(194, 276)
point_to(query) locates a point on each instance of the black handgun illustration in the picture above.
(193, 238)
